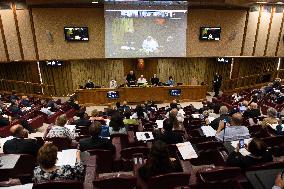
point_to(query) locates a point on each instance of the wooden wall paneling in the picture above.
(18, 31)
(245, 32)
(33, 33)
(269, 29)
(251, 31)
(4, 55)
(257, 30)
(100, 71)
(231, 36)
(275, 32)
(263, 30)
(280, 45)
(10, 34)
(26, 34)
(49, 31)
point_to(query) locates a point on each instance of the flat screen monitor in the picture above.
(210, 33)
(175, 92)
(112, 95)
(224, 60)
(76, 33)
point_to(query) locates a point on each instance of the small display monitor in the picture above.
(210, 33)
(76, 33)
(112, 95)
(224, 60)
(175, 92)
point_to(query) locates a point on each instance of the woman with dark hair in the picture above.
(158, 162)
(116, 124)
(140, 113)
(47, 170)
(258, 154)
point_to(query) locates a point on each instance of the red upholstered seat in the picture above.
(125, 182)
(127, 155)
(104, 160)
(61, 143)
(169, 181)
(70, 184)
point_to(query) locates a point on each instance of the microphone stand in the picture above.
(225, 124)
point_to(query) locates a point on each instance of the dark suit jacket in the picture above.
(4, 122)
(83, 122)
(155, 81)
(215, 123)
(170, 137)
(93, 143)
(21, 146)
(252, 113)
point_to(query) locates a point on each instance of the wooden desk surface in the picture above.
(98, 96)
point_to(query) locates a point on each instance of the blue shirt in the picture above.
(170, 82)
(233, 133)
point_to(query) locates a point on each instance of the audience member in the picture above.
(234, 131)
(171, 81)
(4, 121)
(95, 141)
(168, 136)
(20, 145)
(127, 120)
(58, 130)
(177, 119)
(95, 116)
(116, 124)
(140, 113)
(83, 120)
(155, 80)
(158, 162)
(223, 115)
(124, 106)
(25, 101)
(258, 154)
(279, 182)
(48, 171)
(271, 118)
(252, 111)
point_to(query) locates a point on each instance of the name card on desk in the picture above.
(160, 123)
(186, 150)
(208, 131)
(195, 116)
(66, 157)
(144, 136)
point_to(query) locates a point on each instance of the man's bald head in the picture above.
(237, 119)
(253, 105)
(17, 130)
(174, 111)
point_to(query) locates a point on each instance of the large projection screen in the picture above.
(133, 31)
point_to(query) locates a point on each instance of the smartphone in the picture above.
(147, 135)
(242, 143)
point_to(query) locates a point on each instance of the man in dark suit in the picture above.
(252, 112)
(155, 80)
(168, 136)
(217, 84)
(4, 121)
(15, 110)
(223, 115)
(89, 84)
(131, 78)
(95, 142)
(82, 121)
(19, 145)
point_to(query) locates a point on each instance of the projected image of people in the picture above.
(145, 33)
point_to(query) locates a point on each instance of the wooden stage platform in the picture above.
(98, 96)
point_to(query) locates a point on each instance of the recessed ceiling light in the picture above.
(95, 2)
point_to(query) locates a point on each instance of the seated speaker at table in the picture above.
(131, 78)
(89, 84)
(141, 80)
(112, 84)
(155, 80)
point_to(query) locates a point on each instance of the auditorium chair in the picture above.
(266, 166)
(210, 145)
(51, 118)
(219, 178)
(104, 160)
(70, 113)
(82, 130)
(70, 184)
(119, 182)
(194, 132)
(275, 145)
(210, 157)
(24, 168)
(60, 143)
(133, 128)
(169, 181)
(196, 140)
(37, 121)
(172, 148)
(127, 155)
(121, 138)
